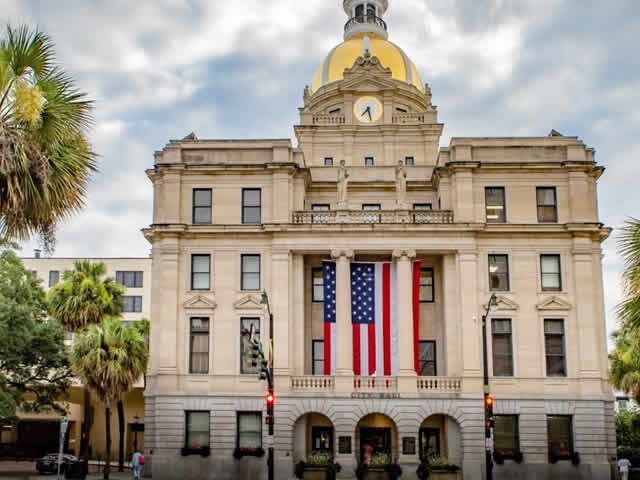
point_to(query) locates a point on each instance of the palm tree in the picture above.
(110, 357)
(84, 297)
(625, 359)
(45, 158)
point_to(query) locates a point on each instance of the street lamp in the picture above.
(487, 400)
(270, 398)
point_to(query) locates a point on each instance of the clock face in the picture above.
(367, 109)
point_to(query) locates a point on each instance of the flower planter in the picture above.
(443, 475)
(376, 473)
(315, 473)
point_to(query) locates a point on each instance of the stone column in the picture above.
(296, 338)
(406, 369)
(344, 336)
(279, 298)
(452, 354)
(470, 319)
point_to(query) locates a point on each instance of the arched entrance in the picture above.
(312, 433)
(376, 435)
(441, 436)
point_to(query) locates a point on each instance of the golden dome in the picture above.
(344, 56)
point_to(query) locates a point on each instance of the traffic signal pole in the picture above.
(270, 459)
(487, 399)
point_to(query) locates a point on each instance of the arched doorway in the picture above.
(376, 435)
(312, 433)
(441, 436)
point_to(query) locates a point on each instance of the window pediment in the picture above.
(504, 304)
(199, 302)
(553, 303)
(248, 302)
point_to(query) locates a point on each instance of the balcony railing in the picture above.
(408, 118)
(328, 119)
(439, 384)
(368, 216)
(319, 383)
(370, 19)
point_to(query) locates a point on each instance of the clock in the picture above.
(367, 109)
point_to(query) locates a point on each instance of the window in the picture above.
(131, 303)
(197, 436)
(409, 161)
(328, 161)
(422, 206)
(251, 205)
(429, 443)
(200, 272)
(317, 285)
(201, 205)
(559, 436)
(54, 277)
(335, 111)
(502, 348)
(129, 279)
(427, 358)
(245, 350)
(373, 217)
(426, 285)
(199, 345)
(499, 273)
(322, 440)
(401, 110)
(623, 403)
(250, 272)
(494, 199)
(359, 10)
(317, 364)
(249, 429)
(368, 161)
(554, 348)
(320, 207)
(547, 204)
(505, 435)
(551, 277)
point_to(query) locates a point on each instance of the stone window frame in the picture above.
(555, 204)
(433, 284)
(517, 434)
(314, 271)
(192, 273)
(542, 273)
(435, 356)
(187, 447)
(512, 353)
(190, 343)
(195, 207)
(313, 358)
(504, 203)
(571, 437)
(508, 274)
(244, 207)
(249, 412)
(242, 272)
(564, 320)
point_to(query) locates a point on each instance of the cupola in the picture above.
(365, 17)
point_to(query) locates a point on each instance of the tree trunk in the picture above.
(107, 464)
(121, 439)
(86, 427)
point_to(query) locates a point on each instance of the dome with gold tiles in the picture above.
(366, 29)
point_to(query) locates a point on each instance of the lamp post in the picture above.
(493, 301)
(270, 416)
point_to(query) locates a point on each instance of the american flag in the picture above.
(374, 317)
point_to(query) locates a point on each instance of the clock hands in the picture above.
(368, 111)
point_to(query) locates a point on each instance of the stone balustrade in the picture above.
(439, 384)
(312, 383)
(404, 118)
(328, 119)
(373, 216)
(375, 384)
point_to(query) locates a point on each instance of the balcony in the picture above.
(408, 118)
(328, 119)
(319, 383)
(365, 20)
(307, 217)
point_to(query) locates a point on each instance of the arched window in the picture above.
(371, 10)
(360, 10)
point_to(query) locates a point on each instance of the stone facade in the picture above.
(206, 222)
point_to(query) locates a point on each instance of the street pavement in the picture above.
(27, 471)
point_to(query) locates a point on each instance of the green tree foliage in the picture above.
(45, 158)
(110, 357)
(628, 427)
(625, 359)
(84, 296)
(34, 365)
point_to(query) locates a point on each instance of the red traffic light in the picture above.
(270, 398)
(488, 401)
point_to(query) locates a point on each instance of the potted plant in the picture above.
(318, 466)
(441, 469)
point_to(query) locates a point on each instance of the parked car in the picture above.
(49, 463)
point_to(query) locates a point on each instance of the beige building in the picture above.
(38, 433)
(517, 217)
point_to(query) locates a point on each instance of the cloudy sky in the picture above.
(159, 69)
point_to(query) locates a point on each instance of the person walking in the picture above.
(136, 465)
(624, 465)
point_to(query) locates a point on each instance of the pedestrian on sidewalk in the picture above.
(623, 465)
(136, 465)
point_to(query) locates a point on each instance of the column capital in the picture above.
(344, 252)
(400, 254)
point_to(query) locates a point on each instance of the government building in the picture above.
(378, 252)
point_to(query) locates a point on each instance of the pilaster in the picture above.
(468, 309)
(406, 371)
(279, 296)
(344, 334)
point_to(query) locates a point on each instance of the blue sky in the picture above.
(159, 69)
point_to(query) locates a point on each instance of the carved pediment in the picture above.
(553, 303)
(368, 65)
(199, 303)
(504, 304)
(249, 302)
(366, 83)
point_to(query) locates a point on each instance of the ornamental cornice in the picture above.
(401, 254)
(338, 253)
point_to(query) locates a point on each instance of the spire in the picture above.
(365, 17)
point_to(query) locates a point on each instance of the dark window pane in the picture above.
(547, 204)
(495, 204)
(320, 207)
(131, 303)
(328, 161)
(559, 436)
(427, 358)
(318, 357)
(409, 161)
(251, 206)
(554, 347)
(251, 197)
(249, 429)
(54, 277)
(200, 272)
(368, 161)
(202, 198)
(505, 435)
(318, 288)
(199, 355)
(426, 285)
(197, 430)
(422, 206)
(502, 347)
(550, 272)
(250, 272)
